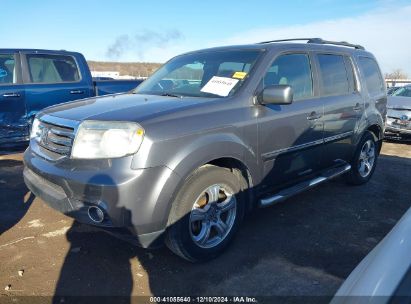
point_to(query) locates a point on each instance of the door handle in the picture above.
(357, 107)
(11, 95)
(314, 116)
(76, 92)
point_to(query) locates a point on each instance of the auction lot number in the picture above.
(202, 300)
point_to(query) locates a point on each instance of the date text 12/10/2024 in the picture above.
(203, 299)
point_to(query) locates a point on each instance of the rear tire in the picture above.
(206, 214)
(365, 160)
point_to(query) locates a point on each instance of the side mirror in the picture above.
(277, 94)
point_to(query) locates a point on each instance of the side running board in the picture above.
(293, 190)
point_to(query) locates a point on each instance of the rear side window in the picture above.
(46, 68)
(372, 75)
(334, 78)
(293, 70)
(7, 69)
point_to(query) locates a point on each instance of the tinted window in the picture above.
(7, 69)
(52, 68)
(372, 75)
(333, 75)
(350, 73)
(294, 70)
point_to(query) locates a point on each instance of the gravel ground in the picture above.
(305, 246)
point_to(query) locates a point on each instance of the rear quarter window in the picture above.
(372, 75)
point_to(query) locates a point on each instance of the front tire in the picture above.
(364, 160)
(206, 214)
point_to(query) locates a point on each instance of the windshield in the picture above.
(201, 74)
(404, 91)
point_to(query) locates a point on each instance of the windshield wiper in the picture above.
(162, 94)
(171, 95)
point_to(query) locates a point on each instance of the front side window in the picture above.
(293, 70)
(372, 75)
(46, 68)
(202, 74)
(7, 69)
(333, 74)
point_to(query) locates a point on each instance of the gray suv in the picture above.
(207, 138)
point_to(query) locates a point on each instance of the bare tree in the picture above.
(396, 74)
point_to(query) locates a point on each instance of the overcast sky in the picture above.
(154, 31)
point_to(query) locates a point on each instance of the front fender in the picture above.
(193, 155)
(211, 147)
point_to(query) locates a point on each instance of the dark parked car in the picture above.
(210, 136)
(31, 80)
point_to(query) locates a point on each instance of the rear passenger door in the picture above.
(13, 125)
(343, 105)
(290, 136)
(51, 79)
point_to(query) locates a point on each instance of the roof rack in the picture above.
(318, 41)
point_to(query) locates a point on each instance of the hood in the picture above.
(122, 107)
(399, 103)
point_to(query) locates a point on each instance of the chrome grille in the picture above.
(57, 139)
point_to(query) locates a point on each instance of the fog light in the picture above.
(96, 214)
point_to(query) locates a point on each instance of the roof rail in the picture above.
(318, 41)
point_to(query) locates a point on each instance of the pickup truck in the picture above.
(31, 80)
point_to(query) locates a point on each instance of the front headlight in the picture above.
(35, 129)
(103, 139)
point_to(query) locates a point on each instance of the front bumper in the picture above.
(135, 202)
(395, 132)
(398, 124)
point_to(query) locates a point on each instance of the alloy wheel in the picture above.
(212, 216)
(367, 158)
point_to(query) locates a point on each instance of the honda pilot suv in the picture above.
(208, 137)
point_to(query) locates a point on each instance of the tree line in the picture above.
(136, 69)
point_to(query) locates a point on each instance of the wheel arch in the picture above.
(376, 130)
(241, 171)
(223, 150)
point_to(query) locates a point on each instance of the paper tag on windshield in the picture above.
(239, 75)
(219, 85)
